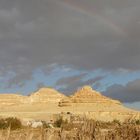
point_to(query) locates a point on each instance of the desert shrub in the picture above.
(107, 125)
(103, 125)
(133, 122)
(124, 131)
(45, 125)
(68, 126)
(138, 122)
(3, 124)
(116, 122)
(58, 122)
(13, 123)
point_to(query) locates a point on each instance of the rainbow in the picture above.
(84, 8)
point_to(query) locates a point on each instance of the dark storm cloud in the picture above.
(127, 94)
(70, 84)
(37, 33)
(70, 80)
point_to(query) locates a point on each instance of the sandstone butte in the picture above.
(46, 103)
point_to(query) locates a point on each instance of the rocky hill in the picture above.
(87, 95)
(43, 95)
(46, 95)
(46, 103)
(12, 99)
(96, 106)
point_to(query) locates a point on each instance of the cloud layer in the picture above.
(127, 94)
(70, 84)
(99, 34)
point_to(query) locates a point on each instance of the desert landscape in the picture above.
(50, 115)
(69, 69)
(48, 104)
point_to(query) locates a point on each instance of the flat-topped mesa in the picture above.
(46, 95)
(87, 95)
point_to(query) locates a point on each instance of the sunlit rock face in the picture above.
(47, 102)
(46, 95)
(13, 99)
(96, 106)
(43, 95)
(87, 95)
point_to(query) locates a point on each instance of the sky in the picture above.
(66, 44)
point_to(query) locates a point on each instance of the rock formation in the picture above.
(43, 95)
(47, 102)
(12, 99)
(96, 106)
(87, 95)
(46, 95)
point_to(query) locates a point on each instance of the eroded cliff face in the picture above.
(43, 95)
(46, 95)
(87, 95)
(96, 106)
(13, 99)
(47, 101)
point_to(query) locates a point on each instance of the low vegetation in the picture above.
(11, 122)
(58, 122)
(11, 129)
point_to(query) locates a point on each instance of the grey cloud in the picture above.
(39, 33)
(21, 76)
(70, 80)
(70, 84)
(40, 85)
(127, 94)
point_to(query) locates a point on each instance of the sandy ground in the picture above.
(46, 111)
